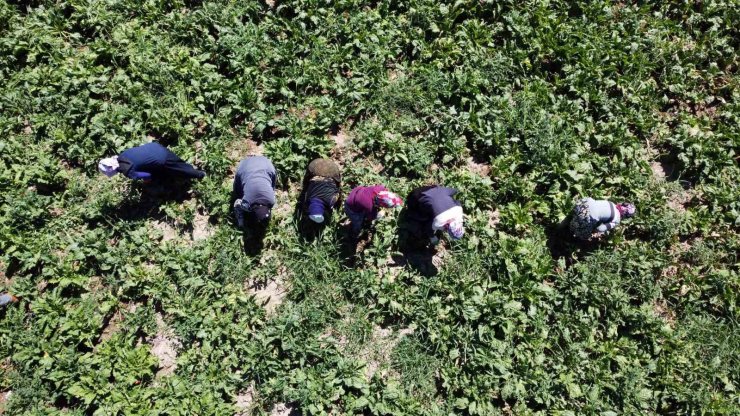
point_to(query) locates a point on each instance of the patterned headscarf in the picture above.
(626, 210)
(455, 229)
(387, 199)
(108, 166)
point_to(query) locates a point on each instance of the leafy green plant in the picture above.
(521, 106)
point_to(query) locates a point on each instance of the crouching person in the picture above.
(7, 299)
(363, 205)
(254, 197)
(432, 210)
(592, 219)
(321, 192)
(150, 163)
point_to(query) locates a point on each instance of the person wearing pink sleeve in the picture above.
(364, 203)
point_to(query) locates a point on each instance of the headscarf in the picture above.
(316, 209)
(387, 199)
(626, 210)
(108, 166)
(455, 229)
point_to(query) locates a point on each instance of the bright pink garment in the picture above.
(361, 200)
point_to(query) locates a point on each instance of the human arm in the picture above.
(139, 175)
(604, 227)
(450, 191)
(239, 212)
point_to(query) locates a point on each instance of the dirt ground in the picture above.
(164, 346)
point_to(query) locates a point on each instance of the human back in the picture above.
(147, 157)
(255, 182)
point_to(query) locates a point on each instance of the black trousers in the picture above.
(416, 218)
(176, 167)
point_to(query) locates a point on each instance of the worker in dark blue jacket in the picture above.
(150, 161)
(432, 209)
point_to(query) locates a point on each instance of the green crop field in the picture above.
(132, 304)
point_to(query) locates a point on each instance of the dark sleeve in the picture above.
(450, 191)
(139, 175)
(238, 192)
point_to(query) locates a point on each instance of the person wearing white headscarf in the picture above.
(7, 298)
(434, 209)
(108, 166)
(594, 218)
(149, 161)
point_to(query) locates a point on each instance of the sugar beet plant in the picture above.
(134, 305)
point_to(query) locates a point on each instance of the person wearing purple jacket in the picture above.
(364, 203)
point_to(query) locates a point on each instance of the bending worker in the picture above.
(593, 218)
(363, 204)
(6, 299)
(433, 209)
(321, 189)
(254, 190)
(149, 162)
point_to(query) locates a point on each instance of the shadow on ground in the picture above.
(414, 247)
(563, 245)
(151, 198)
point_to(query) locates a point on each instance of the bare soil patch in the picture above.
(270, 294)
(662, 310)
(244, 401)
(4, 397)
(116, 320)
(341, 141)
(393, 74)
(669, 272)
(113, 326)
(27, 128)
(285, 203)
(678, 200)
(304, 112)
(481, 169)
(494, 218)
(164, 347)
(168, 231)
(241, 148)
(658, 170)
(201, 227)
(378, 349)
(676, 197)
(283, 409)
(4, 279)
